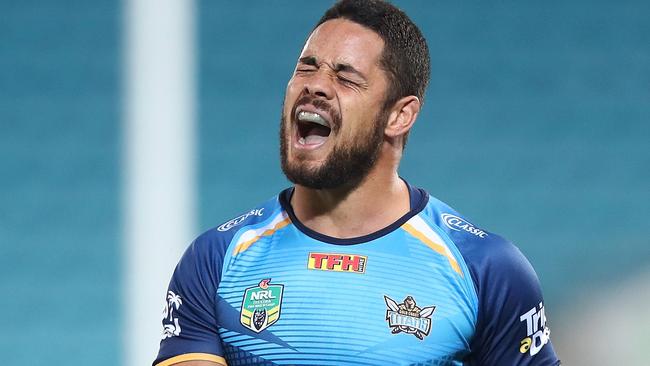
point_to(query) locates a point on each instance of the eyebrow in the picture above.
(338, 67)
(308, 60)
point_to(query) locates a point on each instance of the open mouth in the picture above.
(312, 129)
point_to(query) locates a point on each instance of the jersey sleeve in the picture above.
(511, 327)
(189, 317)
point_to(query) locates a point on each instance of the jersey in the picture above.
(430, 289)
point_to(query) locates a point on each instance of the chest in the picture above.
(300, 301)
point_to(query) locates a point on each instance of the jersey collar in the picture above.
(418, 200)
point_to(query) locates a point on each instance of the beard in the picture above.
(345, 166)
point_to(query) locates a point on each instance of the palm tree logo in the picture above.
(173, 329)
(173, 301)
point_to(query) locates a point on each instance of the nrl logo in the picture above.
(407, 317)
(261, 306)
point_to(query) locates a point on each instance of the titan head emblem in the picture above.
(407, 317)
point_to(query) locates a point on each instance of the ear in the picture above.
(403, 116)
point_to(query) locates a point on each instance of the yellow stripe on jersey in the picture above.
(241, 247)
(438, 248)
(193, 357)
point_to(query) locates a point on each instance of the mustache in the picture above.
(320, 104)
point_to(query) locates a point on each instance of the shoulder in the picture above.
(217, 240)
(489, 256)
(202, 262)
(510, 302)
(511, 323)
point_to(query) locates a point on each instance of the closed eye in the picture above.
(347, 81)
(307, 64)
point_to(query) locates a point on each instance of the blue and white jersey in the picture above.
(430, 289)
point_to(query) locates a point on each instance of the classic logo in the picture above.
(537, 332)
(337, 262)
(261, 306)
(407, 317)
(171, 328)
(456, 223)
(239, 219)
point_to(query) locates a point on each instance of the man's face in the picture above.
(332, 124)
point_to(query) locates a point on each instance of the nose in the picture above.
(319, 84)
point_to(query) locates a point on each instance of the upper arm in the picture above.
(511, 325)
(190, 326)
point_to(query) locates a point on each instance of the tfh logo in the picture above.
(337, 262)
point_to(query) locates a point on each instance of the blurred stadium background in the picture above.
(536, 126)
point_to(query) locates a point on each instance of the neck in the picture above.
(381, 199)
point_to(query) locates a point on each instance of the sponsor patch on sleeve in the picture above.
(537, 332)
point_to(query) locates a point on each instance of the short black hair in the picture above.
(405, 56)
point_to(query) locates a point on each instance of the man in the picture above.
(353, 265)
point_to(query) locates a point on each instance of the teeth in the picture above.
(305, 116)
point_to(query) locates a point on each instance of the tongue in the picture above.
(314, 139)
(318, 130)
(316, 134)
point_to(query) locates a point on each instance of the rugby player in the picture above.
(352, 265)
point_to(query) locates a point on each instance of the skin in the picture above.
(382, 197)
